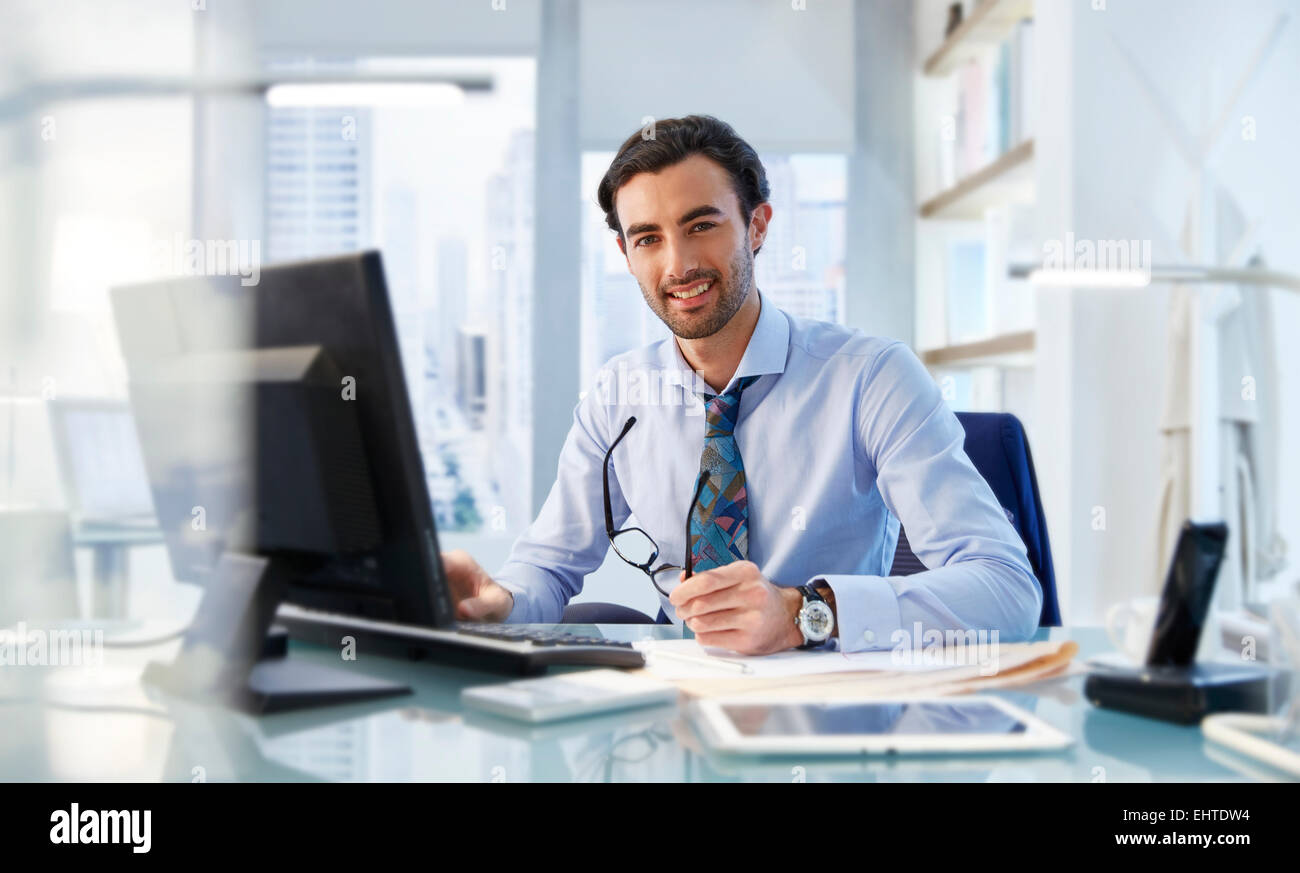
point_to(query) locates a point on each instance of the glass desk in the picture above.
(82, 724)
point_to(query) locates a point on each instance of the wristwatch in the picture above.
(815, 620)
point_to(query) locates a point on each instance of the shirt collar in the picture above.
(766, 353)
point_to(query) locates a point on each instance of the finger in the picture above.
(458, 567)
(699, 587)
(717, 601)
(456, 559)
(721, 620)
(471, 609)
(712, 580)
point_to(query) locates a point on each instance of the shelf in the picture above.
(1009, 179)
(967, 354)
(988, 24)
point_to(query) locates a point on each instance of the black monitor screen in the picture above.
(245, 397)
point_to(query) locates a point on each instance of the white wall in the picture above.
(880, 264)
(1107, 168)
(783, 77)
(400, 27)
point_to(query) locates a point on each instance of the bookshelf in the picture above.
(988, 24)
(975, 187)
(1008, 179)
(1008, 349)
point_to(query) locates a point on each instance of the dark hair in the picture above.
(670, 141)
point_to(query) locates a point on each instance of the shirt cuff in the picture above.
(524, 582)
(866, 611)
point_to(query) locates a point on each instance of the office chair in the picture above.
(997, 446)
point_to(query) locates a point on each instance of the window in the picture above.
(444, 191)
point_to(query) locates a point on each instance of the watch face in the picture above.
(816, 621)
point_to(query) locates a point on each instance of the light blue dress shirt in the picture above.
(842, 436)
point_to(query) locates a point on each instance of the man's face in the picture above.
(684, 231)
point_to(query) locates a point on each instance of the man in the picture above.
(808, 442)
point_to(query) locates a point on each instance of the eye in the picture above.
(644, 239)
(704, 224)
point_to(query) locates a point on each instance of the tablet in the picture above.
(759, 725)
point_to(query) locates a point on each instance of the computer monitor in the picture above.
(100, 464)
(274, 420)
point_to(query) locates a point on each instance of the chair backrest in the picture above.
(997, 446)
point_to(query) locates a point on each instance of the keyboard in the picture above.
(503, 648)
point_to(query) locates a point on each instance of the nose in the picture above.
(682, 261)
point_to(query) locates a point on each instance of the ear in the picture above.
(758, 225)
(622, 248)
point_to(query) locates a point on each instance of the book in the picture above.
(1022, 82)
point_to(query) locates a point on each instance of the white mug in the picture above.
(1129, 625)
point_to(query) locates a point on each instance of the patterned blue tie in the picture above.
(720, 522)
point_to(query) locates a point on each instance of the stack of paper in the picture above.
(701, 671)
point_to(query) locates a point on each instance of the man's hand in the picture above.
(734, 607)
(477, 597)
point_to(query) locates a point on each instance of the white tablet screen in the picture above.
(847, 719)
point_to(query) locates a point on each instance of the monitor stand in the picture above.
(231, 654)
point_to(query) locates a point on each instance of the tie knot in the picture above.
(721, 410)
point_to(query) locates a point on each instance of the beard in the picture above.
(727, 302)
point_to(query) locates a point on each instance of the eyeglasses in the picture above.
(637, 547)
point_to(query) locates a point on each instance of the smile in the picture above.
(693, 291)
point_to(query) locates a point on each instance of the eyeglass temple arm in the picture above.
(609, 511)
(699, 487)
